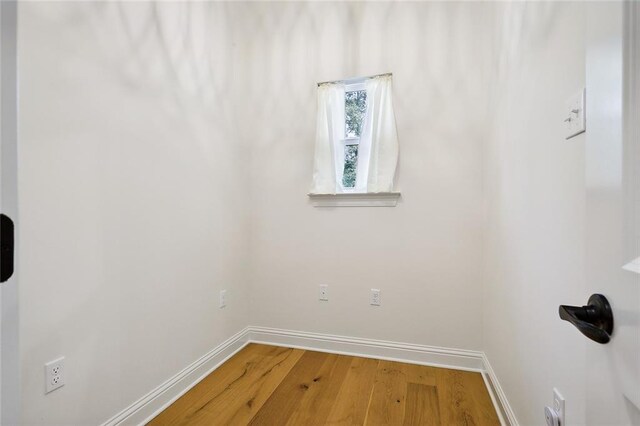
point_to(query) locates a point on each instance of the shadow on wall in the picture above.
(436, 51)
(184, 55)
(245, 54)
(261, 57)
(188, 44)
(426, 46)
(522, 24)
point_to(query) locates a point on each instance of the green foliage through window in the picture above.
(350, 166)
(355, 106)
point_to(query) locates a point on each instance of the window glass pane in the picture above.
(350, 165)
(355, 106)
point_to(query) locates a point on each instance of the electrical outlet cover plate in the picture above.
(324, 293)
(54, 374)
(223, 298)
(375, 297)
(558, 405)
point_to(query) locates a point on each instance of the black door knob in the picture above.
(595, 320)
(6, 248)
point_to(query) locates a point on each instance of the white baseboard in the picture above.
(150, 405)
(459, 359)
(500, 400)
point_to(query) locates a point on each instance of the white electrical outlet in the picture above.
(558, 405)
(375, 297)
(223, 298)
(324, 292)
(54, 374)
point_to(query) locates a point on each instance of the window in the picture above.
(355, 108)
(356, 149)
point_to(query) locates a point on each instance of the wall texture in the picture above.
(424, 254)
(535, 210)
(133, 198)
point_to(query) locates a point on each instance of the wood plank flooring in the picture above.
(271, 385)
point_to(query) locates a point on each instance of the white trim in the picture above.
(458, 359)
(152, 404)
(506, 413)
(355, 199)
(494, 401)
(351, 80)
(356, 86)
(350, 141)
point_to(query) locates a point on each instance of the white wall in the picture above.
(141, 198)
(133, 198)
(535, 211)
(424, 254)
(166, 153)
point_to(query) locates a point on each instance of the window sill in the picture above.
(355, 199)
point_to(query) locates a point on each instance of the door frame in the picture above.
(631, 122)
(9, 349)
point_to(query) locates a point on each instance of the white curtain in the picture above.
(378, 147)
(379, 139)
(329, 132)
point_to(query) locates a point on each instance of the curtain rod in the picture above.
(354, 79)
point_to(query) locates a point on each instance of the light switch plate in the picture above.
(633, 266)
(223, 299)
(575, 115)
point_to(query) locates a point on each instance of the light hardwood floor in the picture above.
(271, 385)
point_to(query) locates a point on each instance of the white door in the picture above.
(612, 204)
(9, 371)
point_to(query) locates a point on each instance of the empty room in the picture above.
(319, 213)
